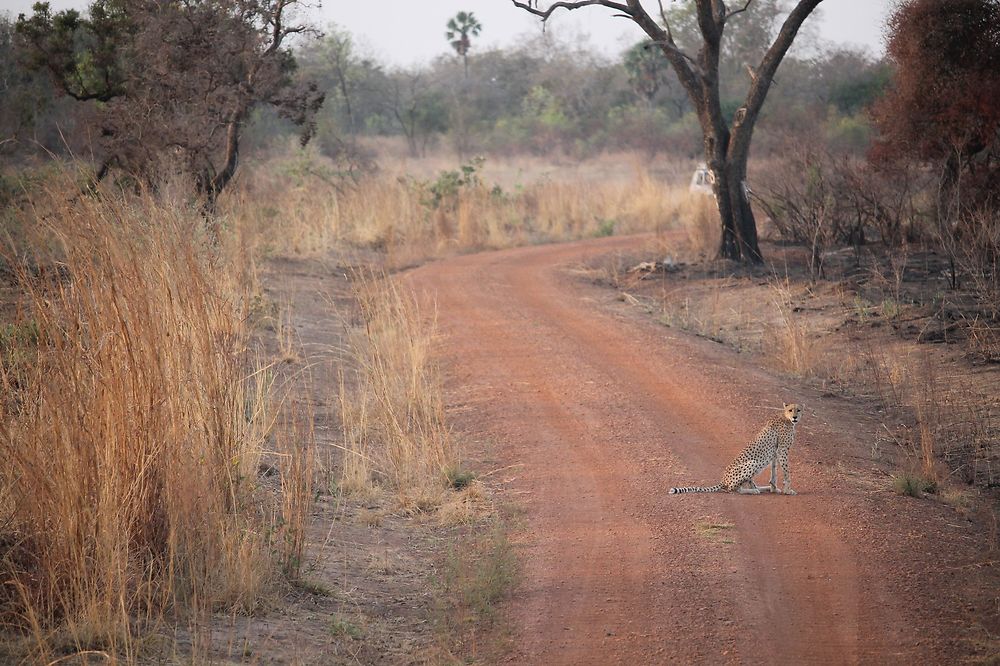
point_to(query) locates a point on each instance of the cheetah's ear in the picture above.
(784, 404)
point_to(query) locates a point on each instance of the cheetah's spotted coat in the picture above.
(769, 447)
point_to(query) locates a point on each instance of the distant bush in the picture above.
(913, 485)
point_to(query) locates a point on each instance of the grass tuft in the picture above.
(477, 579)
(340, 627)
(394, 427)
(913, 485)
(716, 531)
(458, 478)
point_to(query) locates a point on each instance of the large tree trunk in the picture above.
(739, 227)
(726, 150)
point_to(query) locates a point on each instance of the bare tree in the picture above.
(419, 112)
(726, 145)
(334, 55)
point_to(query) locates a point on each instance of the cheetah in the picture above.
(769, 446)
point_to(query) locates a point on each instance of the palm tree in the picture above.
(460, 27)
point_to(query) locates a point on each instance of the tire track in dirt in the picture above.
(600, 418)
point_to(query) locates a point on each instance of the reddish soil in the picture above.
(598, 411)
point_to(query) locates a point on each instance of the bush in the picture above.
(913, 485)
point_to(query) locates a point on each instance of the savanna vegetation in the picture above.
(160, 466)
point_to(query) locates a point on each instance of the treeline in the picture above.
(545, 96)
(541, 96)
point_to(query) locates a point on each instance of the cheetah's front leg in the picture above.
(773, 483)
(783, 459)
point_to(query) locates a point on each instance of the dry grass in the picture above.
(704, 317)
(794, 349)
(466, 505)
(412, 219)
(394, 428)
(716, 530)
(698, 215)
(133, 422)
(475, 579)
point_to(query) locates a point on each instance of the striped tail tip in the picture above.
(718, 488)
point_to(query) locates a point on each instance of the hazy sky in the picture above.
(404, 32)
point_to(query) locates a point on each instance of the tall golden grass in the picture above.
(402, 216)
(136, 411)
(794, 346)
(132, 424)
(698, 215)
(395, 435)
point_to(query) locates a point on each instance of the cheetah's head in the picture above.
(793, 412)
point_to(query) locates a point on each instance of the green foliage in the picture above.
(18, 342)
(460, 27)
(729, 108)
(890, 308)
(605, 228)
(302, 166)
(448, 185)
(646, 66)
(481, 577)
(355, 85)
(855, 94)
(177, 80)
(19, 335)
(913, 485)
(552, 98)
(9, 191)
(848, 133)
(18, 187)
(540, 96)
(84, 55)
(341, 627)
(543, 108)
(459, 478)
(27, 95)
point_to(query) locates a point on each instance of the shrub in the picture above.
(913, 485)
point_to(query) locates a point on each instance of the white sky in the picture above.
(406, 32)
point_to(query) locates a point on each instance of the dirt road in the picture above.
(599, 411)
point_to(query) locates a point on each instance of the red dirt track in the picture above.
(598, 411)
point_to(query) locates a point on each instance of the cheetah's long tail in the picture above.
(718, 488)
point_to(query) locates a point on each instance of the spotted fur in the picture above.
(769, 447)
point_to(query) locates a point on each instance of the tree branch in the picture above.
(669, 42)
(743, 130)
(682, 63)
(708, 24)
(769, 64)
(546, 13)
(738, 11)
